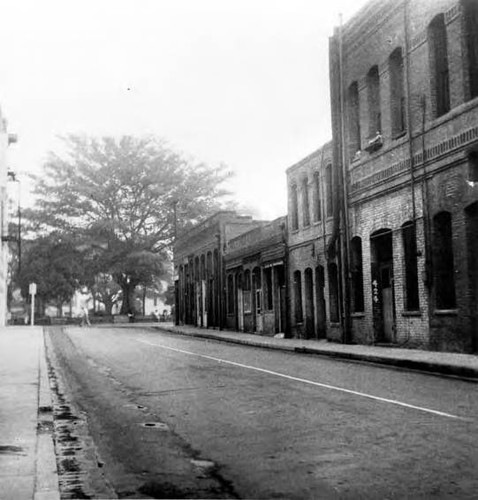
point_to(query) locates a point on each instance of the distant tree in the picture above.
(126, 198)
(105, 290)
(54, 264)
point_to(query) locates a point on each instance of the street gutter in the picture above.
(431, 367)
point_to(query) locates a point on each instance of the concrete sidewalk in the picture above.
(27, 457)
(444, 363)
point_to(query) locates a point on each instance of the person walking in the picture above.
(85, 320)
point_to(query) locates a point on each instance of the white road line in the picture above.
(305, 381)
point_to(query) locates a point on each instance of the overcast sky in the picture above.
(240, 82)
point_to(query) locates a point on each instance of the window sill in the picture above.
(399, 135)
(412, 313)
(445, 312)
(358, 315)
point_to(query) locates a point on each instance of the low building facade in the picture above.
(315, 305)
(199, 268)
(256, 291)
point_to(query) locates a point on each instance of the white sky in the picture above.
(240, 82)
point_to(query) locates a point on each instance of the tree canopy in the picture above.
(124, 198)
(55, 265)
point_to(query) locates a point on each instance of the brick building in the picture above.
(5, 140)
(404, 89)
(256, 293)
(314, 275)
(199, 268)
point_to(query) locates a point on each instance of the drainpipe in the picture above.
(409, 114)
(336, 144)
(426, 206)
(286, 278)
(347, 320)
(219, 280)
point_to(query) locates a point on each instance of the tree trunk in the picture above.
(127, 305)
(108, 307)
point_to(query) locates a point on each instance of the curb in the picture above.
(462, 372)
(46, 476)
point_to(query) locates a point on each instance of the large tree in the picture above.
(55, 265)
(126, 198)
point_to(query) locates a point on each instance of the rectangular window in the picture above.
(443, 262)
(258, 301)
(409, 240)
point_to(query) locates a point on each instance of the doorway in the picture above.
(320, 301)
(383, 301)
(309, 304)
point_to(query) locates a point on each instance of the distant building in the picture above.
(404, 85)
(256, 279)
(199, 268)
(313, 272)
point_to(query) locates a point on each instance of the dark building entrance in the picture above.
(382, 285)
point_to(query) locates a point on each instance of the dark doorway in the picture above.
(320, 301)
(309, 304)
(381, 246)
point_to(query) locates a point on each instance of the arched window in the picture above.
(329, 199)
(397, 94)
(470, 35)
(333, 292)
(294, 215)
(353, 108)
(440, 80)
(299, 317)
(374, 114)
(443, 262)
(409, 239)
(305, 202)
(317, 200)
(357, 274)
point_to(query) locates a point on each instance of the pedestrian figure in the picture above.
(84, 318)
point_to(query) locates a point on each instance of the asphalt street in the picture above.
(180, 417)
